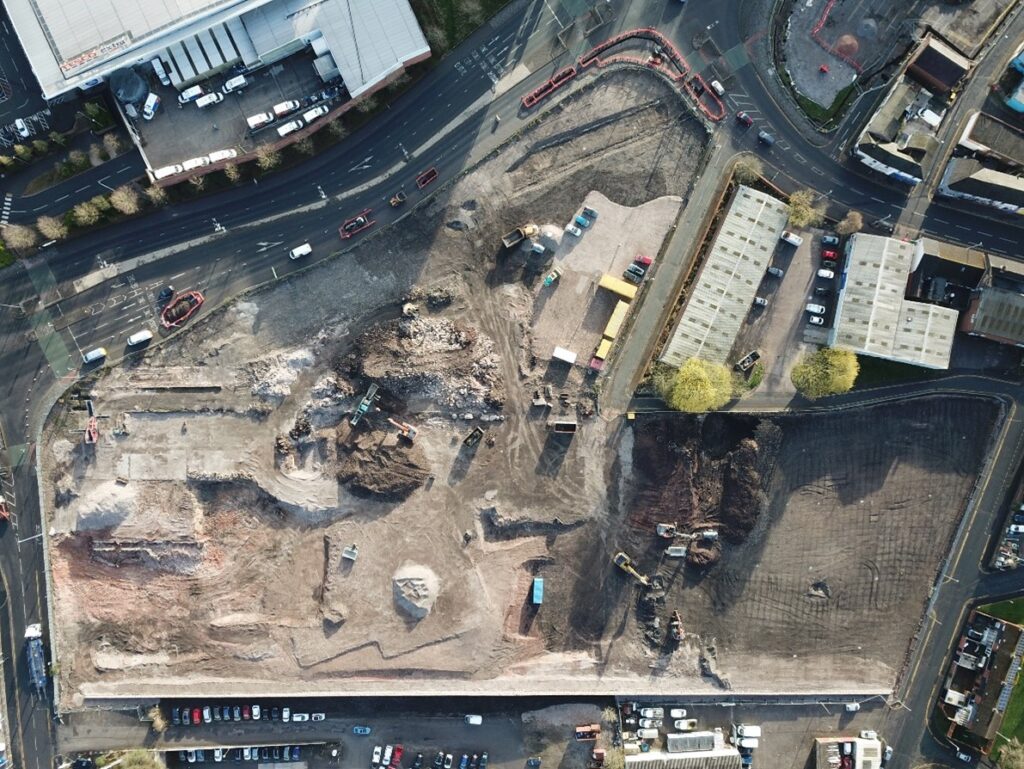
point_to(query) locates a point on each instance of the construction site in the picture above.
(351, 481)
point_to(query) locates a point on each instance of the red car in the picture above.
(246, 713)
(196, 716)
(643, 260)
(397, 755)
(744, 118)
(826, 254)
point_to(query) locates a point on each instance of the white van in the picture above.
(748, 743)
(474, 720)
(259, 119)
(647, 734)
(210, 98)
(285, 107)
(151, 106)
(290, 127)
(310, 115)
(190, 94)
(300, 251)
(219, 155)
(163, 173)
(161, 73)
(235, 84)
(139, 337)
(193, 163)
(94, 355)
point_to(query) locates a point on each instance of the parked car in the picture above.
(150, 107)
(828, 264)
(286, 107)
(275, 714)
(176, 714)
(815, 309)
(828, 254)
(300, 717)
(295, 753)
(236, 713)
(286, 714)
(826, 274)
(744, 118)
(589, 212)
(290, 127)
(264, 753)
(822, 291)
(483, 760)
(256, 712)
(869, 734)
(317, 716)
(182, 756)
(829, 240)
(376, 753)
(417, 762)
(572, 229)
(259, 120)
(717, 87)
(963, 757)
(765, 138)
(778, 272)
(361, 730)
(887, 755)
(190, 94)
(816, 320)
(200, 754)
(197, 716)
(219, 155)
(225, 712)
(464, 761)
(439, 760)
(396, 756)
(207, 715)
(312, 114)
(234, 84)
(448, 761)
(581, 221)
(650, 723)
(760, 301)
(744, 363)
(209, 99)
(24, 131)
(246, 713)
(191, 756)
(386, 758)
(637, 270)
(247, 754)
(652, 713)
(643, 260)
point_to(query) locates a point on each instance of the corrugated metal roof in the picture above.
(874, 318)
(732, 272)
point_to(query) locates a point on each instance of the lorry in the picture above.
(36, 657)
(587, 732)
(519, 234)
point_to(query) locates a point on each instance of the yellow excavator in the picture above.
(625, 563)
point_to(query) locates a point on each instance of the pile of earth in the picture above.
(431, 363)
(702, 472)
(372, 464)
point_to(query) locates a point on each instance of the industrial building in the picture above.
(733, 269)
(73, 45)
(996, 306)
(848, 752)
(693, 750)
(874, 316)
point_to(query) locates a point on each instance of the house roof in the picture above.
(997, 313)
(991, 136)
(971, 177)
(938, 65)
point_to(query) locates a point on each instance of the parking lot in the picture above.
(781, 330)
(181, 132)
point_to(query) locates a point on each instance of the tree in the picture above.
(305, 145)
(851, 223)
(19, 237)
(40, 147)
(125, 199)
(57, 138)
(85, 214)
(111, 143)
(232, 173)
(267, 157)
(159, 720)
(337, 128)
(367, 105)
(78, 160)
(829, 371)
(22, 152)
(51, 228)
(1011, 755)
(697, 386)
(197, 182)
(803, 212)
(102, 203)
(748, 169)
(156, 195)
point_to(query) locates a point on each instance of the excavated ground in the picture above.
(234, 532)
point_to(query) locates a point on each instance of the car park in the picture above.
(572, 229)
(361, 730)
(825, 274)
(777, 272)
(376, 755)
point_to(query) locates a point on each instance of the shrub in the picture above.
(58, 138)
(367, 105)
(51, 228)
(305, 146)
(6, 161)
(40, 147)
(198, 182)
(102, 203)
(337, 128)
(112, 144)
(22, 152)
(78, 160)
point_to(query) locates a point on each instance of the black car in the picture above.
(277, 754)
(828, 264)
(697, 86)
(275, 714)
(237, 714)
(217, 715)
(439, 760)
(483, 760)
(166, 293)
(418, 763)
(1018, 518)
(176, 716)
(182, 756)
(265, 753)
(823, 292)
(474, 761)
(238, 754)
(295, 753)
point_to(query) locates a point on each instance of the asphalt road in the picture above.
(243, 236)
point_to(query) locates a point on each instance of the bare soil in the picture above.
(199, 546)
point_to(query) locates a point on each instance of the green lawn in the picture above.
(1013, 720)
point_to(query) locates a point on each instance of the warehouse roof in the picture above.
(998, 314)
(873, 316)
(990, 136)
(725, 289)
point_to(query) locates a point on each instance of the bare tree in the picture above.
(85, 214)
(803, 211)
(232, 173)
(197, 182)
(19, 237)
(52, 228)
(156, 195)
(337, 128)
(305, 145)
(748, 169)
(267, 157)
(125, 199)
(111, 143)
(102, 203)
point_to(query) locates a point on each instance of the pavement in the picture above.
(100, 286)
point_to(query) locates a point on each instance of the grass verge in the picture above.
(446, 23)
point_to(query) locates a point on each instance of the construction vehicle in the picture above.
(563, 426)
(519, 234)
(667, 530)
(587, 732)
(596, 759)
(625, 563)
(350, 552)
(405, 429)
(397, 199)
(473, 438)
(675, 627)
(36, 657)
(552, 276)
(364, 405)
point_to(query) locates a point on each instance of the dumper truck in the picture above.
(36, 657)
(519, 234)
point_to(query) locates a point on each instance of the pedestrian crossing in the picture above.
(5, 212)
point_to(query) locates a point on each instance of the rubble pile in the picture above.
(373, 466)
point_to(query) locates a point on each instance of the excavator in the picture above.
(405, 429)
(625, 563)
